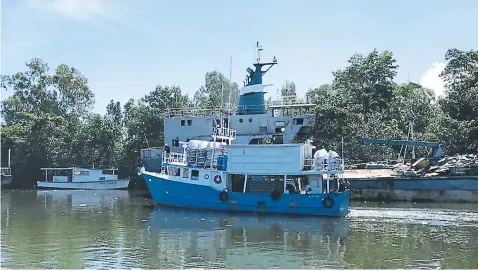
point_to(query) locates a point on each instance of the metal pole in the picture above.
(285, 181)
(328, 183)
(342, 147)
(9, 152)
(230, 85)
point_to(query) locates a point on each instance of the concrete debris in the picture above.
(459, 165)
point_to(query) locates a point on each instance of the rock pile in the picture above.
(464, 165)
(455, 165)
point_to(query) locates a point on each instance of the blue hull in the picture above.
(171, 193)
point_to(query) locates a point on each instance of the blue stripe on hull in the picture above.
(178, 194)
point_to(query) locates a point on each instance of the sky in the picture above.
(125, 48)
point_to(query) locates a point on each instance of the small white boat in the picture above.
(82, 178)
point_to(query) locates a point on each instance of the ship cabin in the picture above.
(255, 119)
(255, 168)
(79, 175)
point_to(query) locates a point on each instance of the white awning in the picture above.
(253, 88)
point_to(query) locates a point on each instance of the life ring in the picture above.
(217, 179)
(275, 195)
(206, 176)
(223, 196)
(328, 202)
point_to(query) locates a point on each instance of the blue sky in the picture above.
(126, 48)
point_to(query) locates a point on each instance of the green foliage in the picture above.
(217, 91)
(288, 89)
(47, 119)
(364, 101)
(461, 100)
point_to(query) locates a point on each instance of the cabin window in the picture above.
(298, 121)
(250, 119)
(194, 174)
(82, 173)
(185, 173)
(190, 122)
(262, 129)
(255, 141)
(264, 184)
(173, 171)
(147, 154)
(102, 178)
(183, 123)
(280, 124)
(240, 120)
(278, 139)
(237, 182)
(297, 184)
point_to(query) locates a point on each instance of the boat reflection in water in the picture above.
(190, 238)
(78, 200)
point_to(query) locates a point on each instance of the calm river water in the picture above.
(114, 229)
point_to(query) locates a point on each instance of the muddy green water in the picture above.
(116, 229)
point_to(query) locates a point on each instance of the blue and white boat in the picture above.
(268, 178)
(82, 179)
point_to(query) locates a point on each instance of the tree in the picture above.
(41, 117)
(461, 95)
(288, 89)
(368, 81)
(216, 92)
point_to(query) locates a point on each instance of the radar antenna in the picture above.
(259, 49)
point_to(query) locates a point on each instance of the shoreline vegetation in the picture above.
(47, 119)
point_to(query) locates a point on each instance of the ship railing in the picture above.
(199, 111)
(289, 100)
(174, 157)
(223, 132)
(6, 171)
(332, 166)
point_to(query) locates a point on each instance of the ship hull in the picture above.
(186, 195)
(102, 185)
(432, 189)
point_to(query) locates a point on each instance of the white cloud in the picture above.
(431, 78)
(84, 10)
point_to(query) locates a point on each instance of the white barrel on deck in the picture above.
(213, 147)
(202, 153)
(192, 151)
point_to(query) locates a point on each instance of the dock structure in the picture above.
(6, 172)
